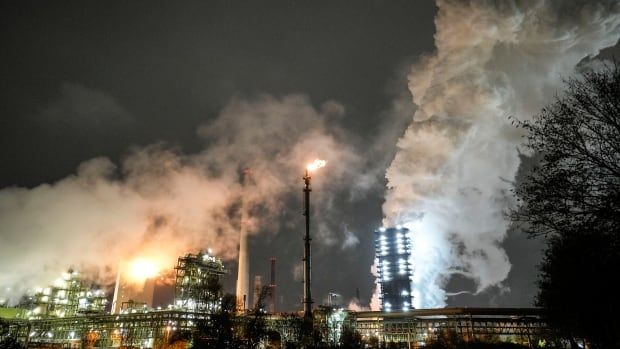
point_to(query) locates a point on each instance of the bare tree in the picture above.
(572, 197)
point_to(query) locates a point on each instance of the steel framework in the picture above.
(416, 327)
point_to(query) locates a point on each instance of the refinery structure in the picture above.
(69, 314)
(394, 268)
(75, 314)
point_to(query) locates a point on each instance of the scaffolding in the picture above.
(197, 286)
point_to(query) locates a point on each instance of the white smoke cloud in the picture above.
(458, 157)
(354, 305)
(375, 300)
(350, 240)
(160, 203)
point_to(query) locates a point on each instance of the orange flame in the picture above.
(316, 164)
(142, 269)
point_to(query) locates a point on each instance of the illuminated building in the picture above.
(394, 269)
(67, 297)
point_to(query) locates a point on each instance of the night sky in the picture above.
(82, 80)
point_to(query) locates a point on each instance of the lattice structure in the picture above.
(415, 328)
(197, 280)
(145, 330)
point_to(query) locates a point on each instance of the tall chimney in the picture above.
(243, 271)
(307, 254)
(117, 293)
(258, 288)
(272, 286)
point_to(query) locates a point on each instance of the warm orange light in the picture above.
(142, 269)
(316, 164)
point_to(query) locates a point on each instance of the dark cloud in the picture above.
(85, 109)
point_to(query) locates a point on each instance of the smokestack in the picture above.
(307, 253)
(258, 285)
(117, 288)
(125, 291)
(272, 286)
(243, 271)
(307, 262)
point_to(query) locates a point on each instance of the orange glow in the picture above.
(142, 269)
(316, 164)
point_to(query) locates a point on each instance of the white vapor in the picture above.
(457, 160)
(160, 203)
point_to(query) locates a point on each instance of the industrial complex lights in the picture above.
(394, 268)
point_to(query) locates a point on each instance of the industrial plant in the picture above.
(73, 313)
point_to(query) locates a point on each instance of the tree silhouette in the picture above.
(8, 340)
(350, 339)
(255, 326)
(572, 198)
(218, 330)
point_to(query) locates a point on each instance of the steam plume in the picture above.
(455, 163)
(160, 203)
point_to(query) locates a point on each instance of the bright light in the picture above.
(142, 269)
(316, 164)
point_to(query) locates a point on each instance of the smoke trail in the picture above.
(457, 159)
(160, 203)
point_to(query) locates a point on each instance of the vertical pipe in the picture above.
(307, 262)
(117, 298)
(272, 285)
(243, 271)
